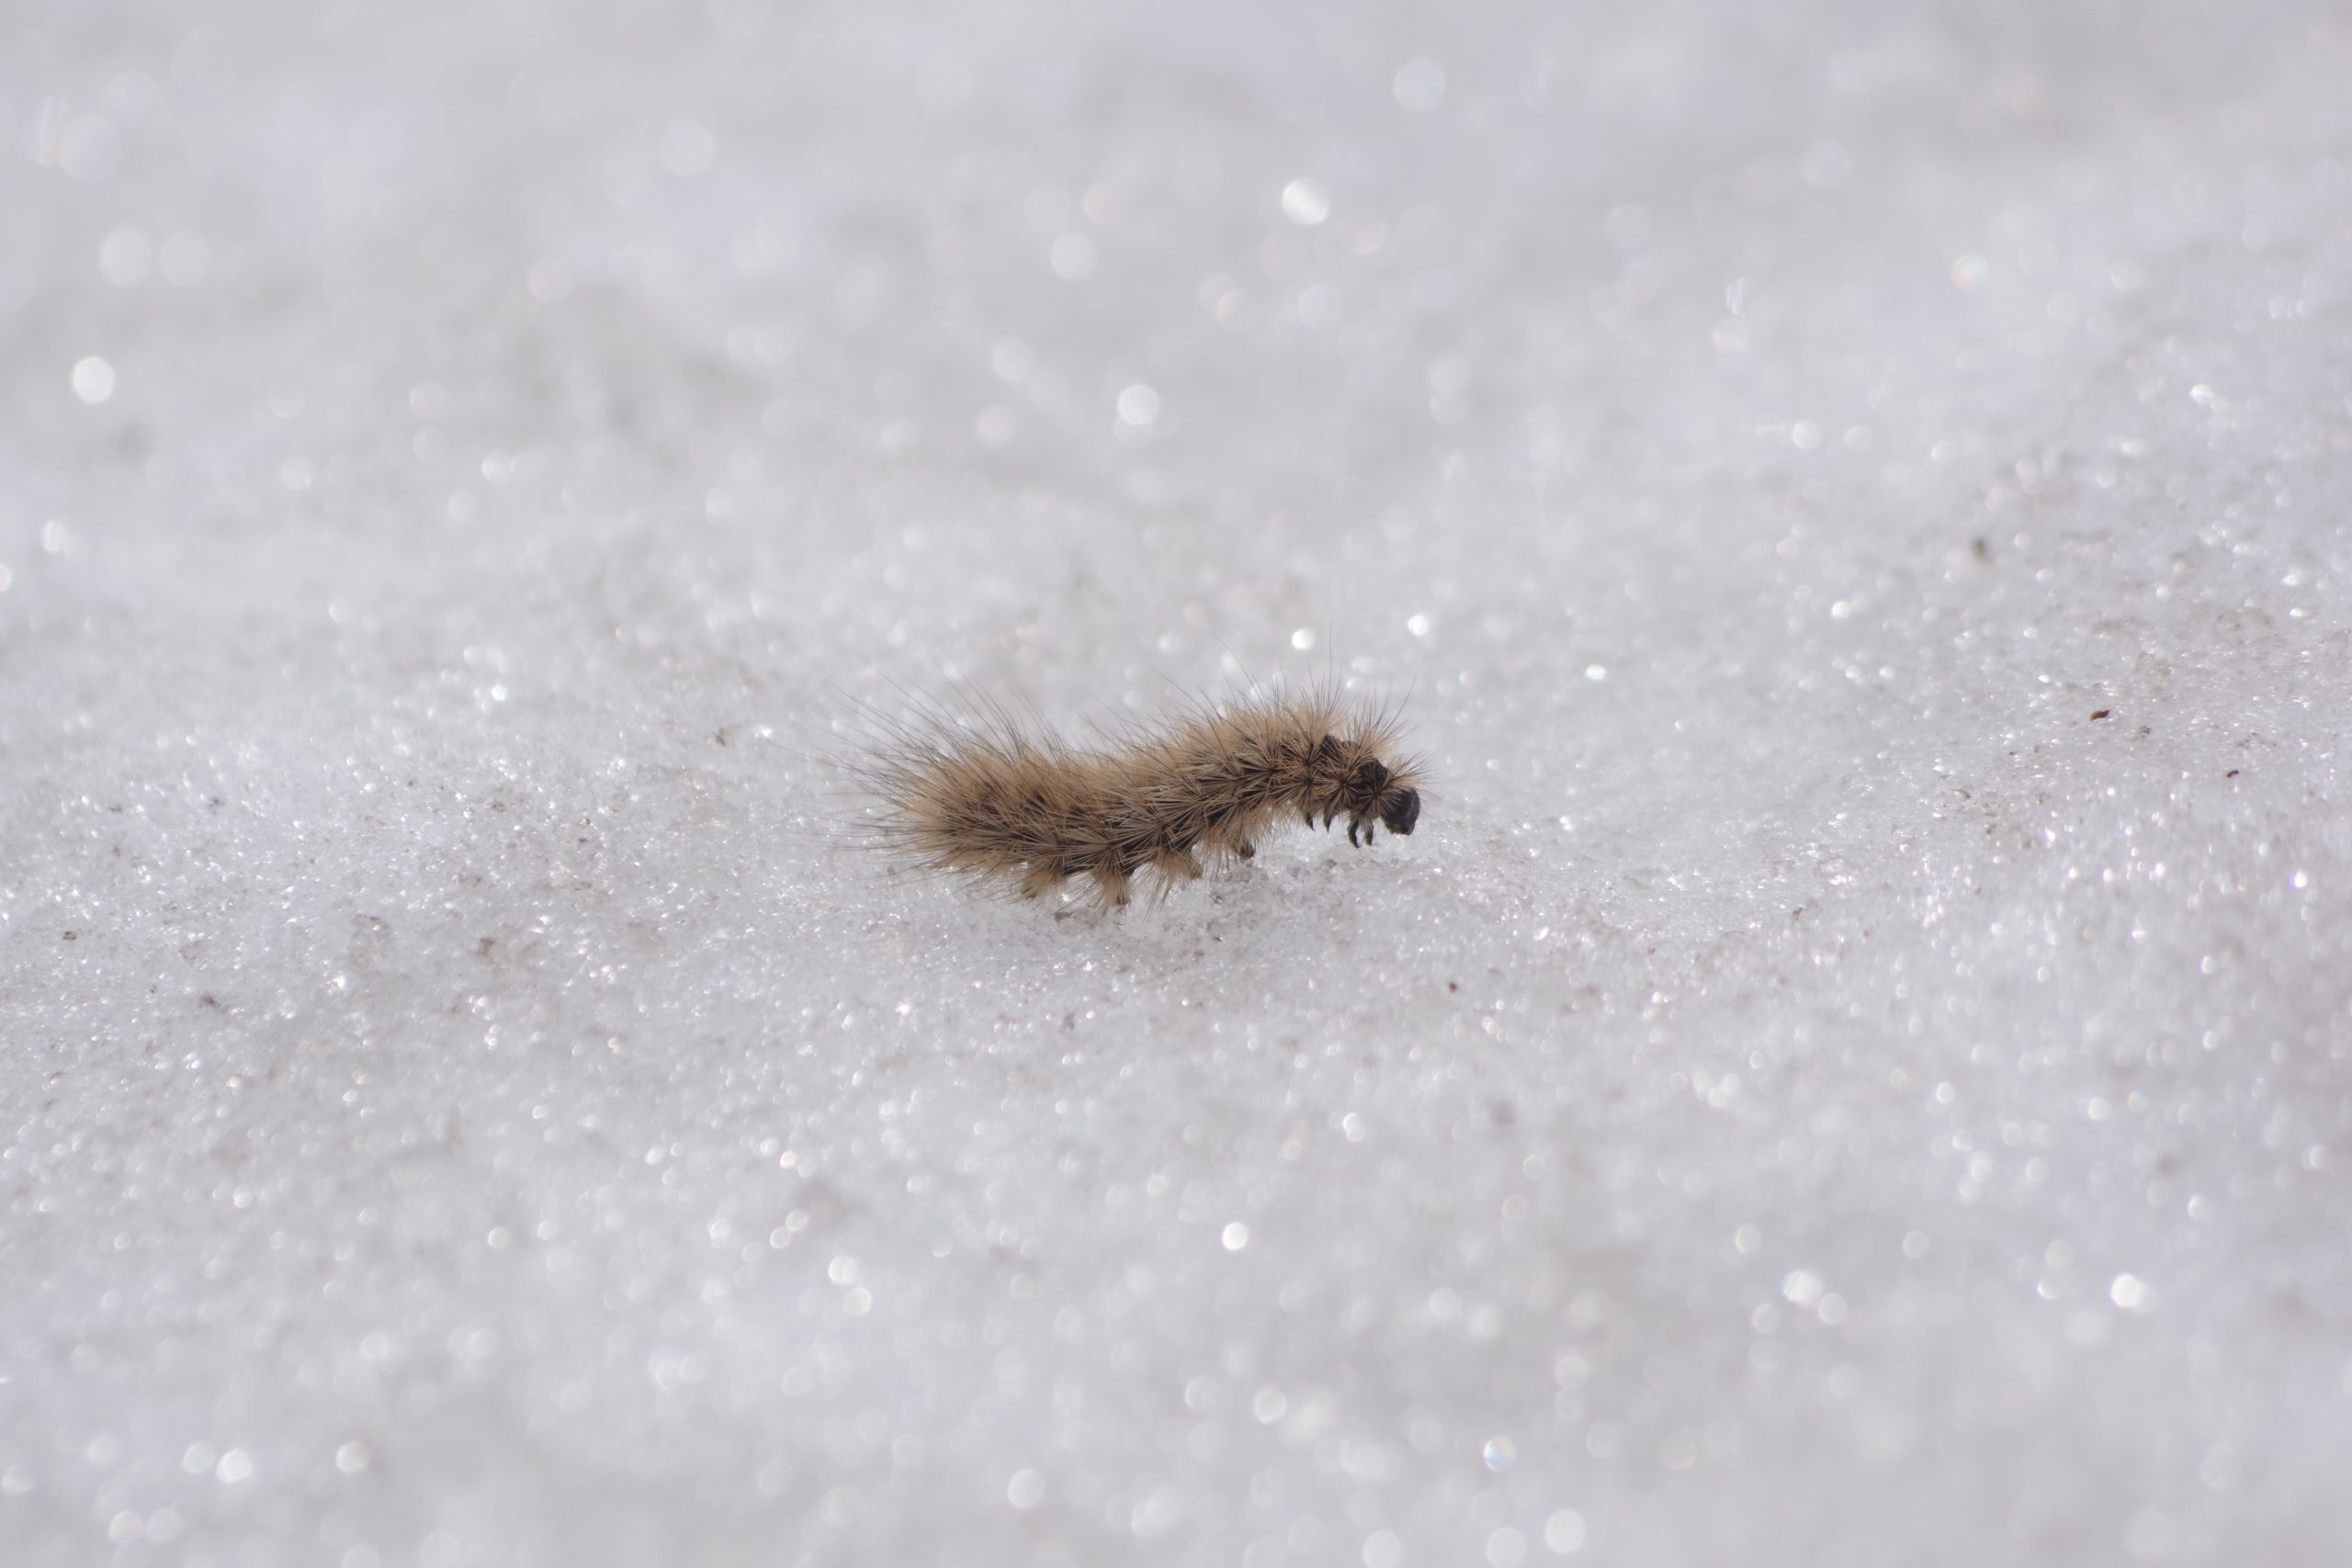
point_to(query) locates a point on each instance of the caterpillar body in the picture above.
(1029, 812)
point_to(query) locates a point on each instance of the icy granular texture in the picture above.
(1855, 1066)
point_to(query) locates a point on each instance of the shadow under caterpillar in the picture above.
(1027, 811)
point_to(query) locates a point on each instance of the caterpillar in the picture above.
(1015, 806)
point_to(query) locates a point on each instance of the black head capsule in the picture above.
(1400, 811)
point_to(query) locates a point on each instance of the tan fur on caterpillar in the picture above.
(1025, 811)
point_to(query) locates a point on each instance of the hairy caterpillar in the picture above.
(1022, 809)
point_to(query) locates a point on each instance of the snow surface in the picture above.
(1854, 1068)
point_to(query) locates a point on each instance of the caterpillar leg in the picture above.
(1178, 865)
(1220, 850)
(1040, 880)
(1113, 888)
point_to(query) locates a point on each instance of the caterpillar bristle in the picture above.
(994, 798)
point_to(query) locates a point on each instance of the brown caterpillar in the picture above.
(1003, 804)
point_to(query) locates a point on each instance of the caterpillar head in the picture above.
(1376, 791)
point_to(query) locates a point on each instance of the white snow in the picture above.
(1855, 1066)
